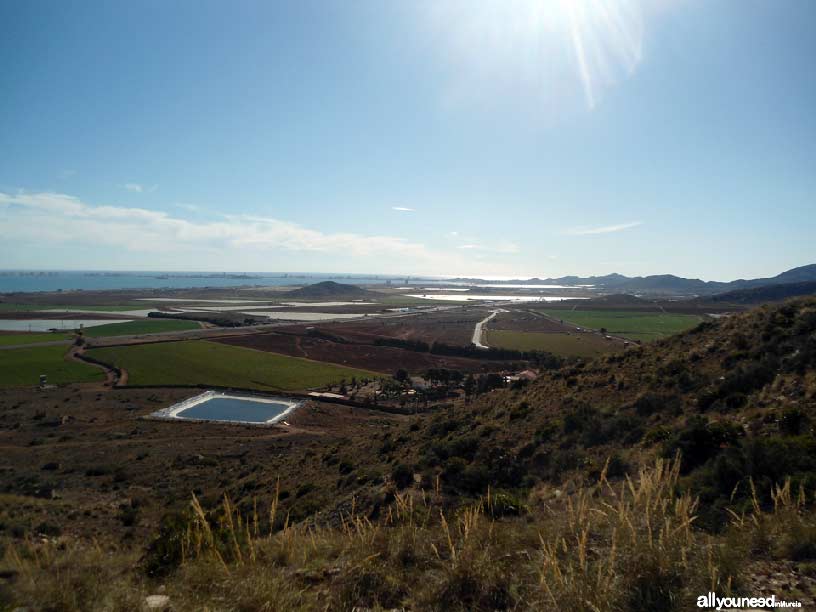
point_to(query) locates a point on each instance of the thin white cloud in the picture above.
(606, 229)
(188, 207)
(61, 218)
(402, 209)
(505, 248)
(135, 187)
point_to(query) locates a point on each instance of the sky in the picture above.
(504, 138)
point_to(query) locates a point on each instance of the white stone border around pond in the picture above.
(173, 413)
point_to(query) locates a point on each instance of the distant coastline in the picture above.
(24, 281)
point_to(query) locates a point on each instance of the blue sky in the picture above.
(500, 138)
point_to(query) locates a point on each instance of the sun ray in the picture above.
(545, 50)
(578, 46)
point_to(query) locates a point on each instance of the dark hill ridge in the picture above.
(330, 289)
(765, 293)
(669, 283)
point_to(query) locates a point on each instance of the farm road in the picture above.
(479, 329)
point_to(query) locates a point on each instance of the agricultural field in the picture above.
(453, 327)
(522, 319)
(19, 339)
(562, 344)
(194, 362)
(384, 359)
(21, 367)
(634, 325)
(144, 326)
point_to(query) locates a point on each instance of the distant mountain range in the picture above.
(669, 284)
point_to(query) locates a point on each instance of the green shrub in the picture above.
(164, 553)
(699, 441)
(793, 422)
(504, 504)
(402, 475)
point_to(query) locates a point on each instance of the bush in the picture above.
(800, 543)
(402, 475)
(580, 419)
(370, 586)
(648, 404)
(504, 504)
(48, 529)
(793, 422)
(164, 554)
(699, 441)
(726, 479)
(617, 467)
(304, 489)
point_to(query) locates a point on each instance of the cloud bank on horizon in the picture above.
(234, 241)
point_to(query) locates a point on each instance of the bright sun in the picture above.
(596, 42)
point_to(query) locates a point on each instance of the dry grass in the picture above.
(625, 546)
(59, 576)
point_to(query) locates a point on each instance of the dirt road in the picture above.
(478, 330)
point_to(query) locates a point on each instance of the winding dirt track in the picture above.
(111, 377)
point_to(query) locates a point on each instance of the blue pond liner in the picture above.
(224, 407)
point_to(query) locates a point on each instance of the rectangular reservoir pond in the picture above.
(229, 408)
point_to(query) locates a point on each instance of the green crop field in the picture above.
(22, 367)
(635, 325)
(15, 339)
(565, 345)
(193, 362)
(142, 326)
(4, 307)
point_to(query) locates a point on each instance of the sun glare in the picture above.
(553, 45)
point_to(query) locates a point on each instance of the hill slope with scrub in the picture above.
(633, 481)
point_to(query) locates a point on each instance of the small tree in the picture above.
(401, 375)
